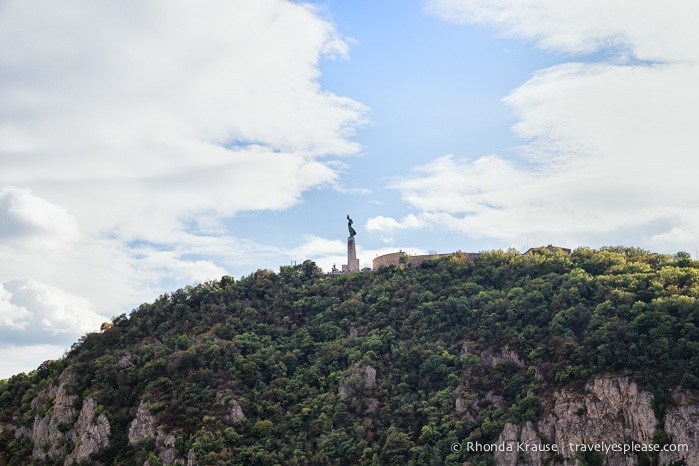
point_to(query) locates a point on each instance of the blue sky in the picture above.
(148, 146)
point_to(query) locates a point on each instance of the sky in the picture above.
(147, 146)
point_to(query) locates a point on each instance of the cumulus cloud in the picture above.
(111, 111)
(130, 131)
(609, 147)
(136, 116)
(23, 215)
(56, 317)
(381, 223)
(647, 30)
(317, 246)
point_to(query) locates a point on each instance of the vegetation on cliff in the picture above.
(384, 367)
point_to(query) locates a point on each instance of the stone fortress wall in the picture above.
(387, 259)
(394, 258)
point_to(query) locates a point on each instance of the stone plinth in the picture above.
(352, 261)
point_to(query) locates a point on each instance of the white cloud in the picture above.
(36, 313)
(26, 358)
(23, 215)
(315, 246)
(129, 130)
(448, 186)
(648, 30)
(381, 223)
(323, 251)
(610, 152)
(134, 115)
(612, 194)
(12, 316)
(602, 110)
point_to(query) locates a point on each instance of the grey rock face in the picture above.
(192, 458)
(615, 411)
(235, 412)
(143, 426)
(612, 411)
(490, 358)
(682, 425)
(90, 433)
(509, 436)
(370, 376)
(126, 360)
(359, 376)
(46, 432)
(63, 427)
(167, 442)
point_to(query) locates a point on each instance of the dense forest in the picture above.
(299, 367)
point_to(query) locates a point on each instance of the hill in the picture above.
(437, 364)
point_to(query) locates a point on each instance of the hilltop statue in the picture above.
(352, 264)
(352, 232)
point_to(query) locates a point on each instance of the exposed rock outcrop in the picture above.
(613, 411)
(49, 429)
(369, 376)
(532, 443)
(492, 358)
(359, 376)
(192, 458)
(90, 433)
(234, 412)
(508, 436)
(127, 359)
(23, 432)
(62, 429)
(682, 425)
(524, 448)
(143, 427)
(460, 406)
(355, 332)
(168, 452)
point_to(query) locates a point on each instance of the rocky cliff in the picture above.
(60, 431)
(90, 433)
(143, 428)
(577, 428)
(612, 415)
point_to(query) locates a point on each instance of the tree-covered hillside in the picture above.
(383, 367)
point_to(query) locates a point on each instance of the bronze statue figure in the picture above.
(352, 232)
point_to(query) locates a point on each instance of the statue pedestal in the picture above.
(352, 261)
